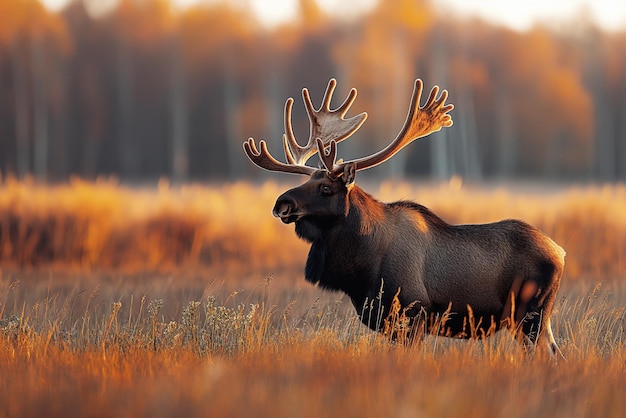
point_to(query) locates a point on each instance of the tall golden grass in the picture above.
(103, 225)
(261, 355)
(189, 301)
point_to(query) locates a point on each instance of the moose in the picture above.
(479, 276)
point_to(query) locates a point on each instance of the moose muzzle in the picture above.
(286, 209)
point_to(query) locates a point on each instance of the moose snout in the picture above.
(285, 209)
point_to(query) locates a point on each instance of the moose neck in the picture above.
(349, 239)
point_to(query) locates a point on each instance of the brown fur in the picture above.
(469, 274)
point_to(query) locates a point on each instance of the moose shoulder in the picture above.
(503, 273)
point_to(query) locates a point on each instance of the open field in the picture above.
(190, 301)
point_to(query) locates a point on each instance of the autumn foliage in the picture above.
(150, 90)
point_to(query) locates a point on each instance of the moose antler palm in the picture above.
(328, 127)
(325, 124)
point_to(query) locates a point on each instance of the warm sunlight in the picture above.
(55, 5)
(610, 14)
(95, 8)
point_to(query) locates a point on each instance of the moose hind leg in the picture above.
(537, 334)
(536, 324)
(549, 342)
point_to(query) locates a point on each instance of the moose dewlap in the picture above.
(401, 257)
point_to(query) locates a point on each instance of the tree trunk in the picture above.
(442, 168)
(621, 137)
(506, 163)
(40, 109)
(231, 106)
(467, 131)
(399, 98)
(179, 114)
(604, 133)
(22, 145)
(470, 147)
(275, 95)
(605, 129)
(125, 145)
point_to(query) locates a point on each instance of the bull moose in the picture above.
(484, 276)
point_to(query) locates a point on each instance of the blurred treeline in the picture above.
(149, 90)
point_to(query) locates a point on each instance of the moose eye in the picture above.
(325, 189)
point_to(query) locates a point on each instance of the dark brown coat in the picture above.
(371, 250)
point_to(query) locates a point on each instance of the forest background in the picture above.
(150, 90)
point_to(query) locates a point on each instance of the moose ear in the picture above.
(349, 173)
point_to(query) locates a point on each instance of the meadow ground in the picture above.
(190, 301)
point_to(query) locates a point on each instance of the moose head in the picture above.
(324, 196)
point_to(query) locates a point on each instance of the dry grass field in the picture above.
(190, 301)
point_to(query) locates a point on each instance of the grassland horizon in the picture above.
(103, 225)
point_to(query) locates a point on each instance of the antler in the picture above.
(264, 159)
(420, 122)
(325, 124)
